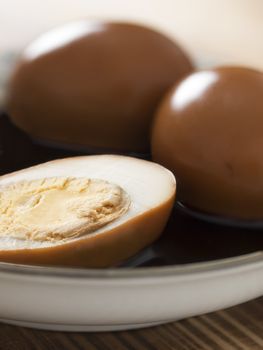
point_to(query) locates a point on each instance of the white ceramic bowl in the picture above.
(126, 298)
(116, 299)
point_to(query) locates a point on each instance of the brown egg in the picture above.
(90, 211)
(209, 132)
(94, 84)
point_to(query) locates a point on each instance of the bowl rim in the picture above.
(251, 260)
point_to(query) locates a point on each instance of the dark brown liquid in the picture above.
(185, 240)
(188, 240)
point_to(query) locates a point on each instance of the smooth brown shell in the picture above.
(96, 86)
(209, 132)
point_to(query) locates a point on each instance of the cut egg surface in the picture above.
(85, 211)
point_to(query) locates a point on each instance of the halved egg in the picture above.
(92, 211)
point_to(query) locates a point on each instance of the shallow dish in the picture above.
(194, 268)
(115, 299)
(165, 286)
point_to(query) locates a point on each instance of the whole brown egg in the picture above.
(209, 132)
(94, 85)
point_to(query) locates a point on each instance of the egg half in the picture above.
(90, 211)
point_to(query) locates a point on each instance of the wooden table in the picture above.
(237, 328)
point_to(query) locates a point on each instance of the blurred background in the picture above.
(213, 31)
(226, 30)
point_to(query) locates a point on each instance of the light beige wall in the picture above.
(223, 30)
